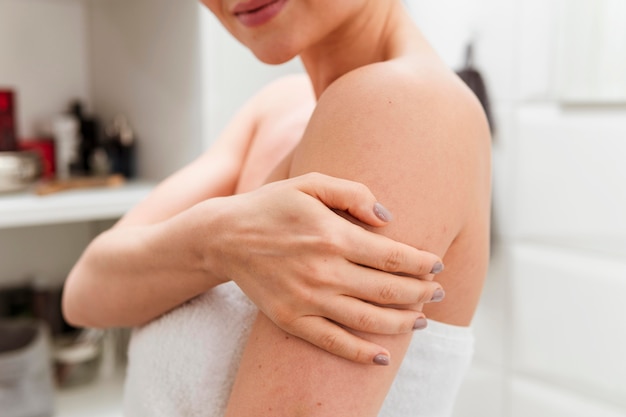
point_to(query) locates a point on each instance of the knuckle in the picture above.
(329, 241)
(366, 322)
(393, 261)
(387, 293)
(330, 342)
(281, 316)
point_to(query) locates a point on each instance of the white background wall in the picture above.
(551, 328)
(42, 57)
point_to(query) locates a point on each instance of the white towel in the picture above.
(432, 372)
(184, 364)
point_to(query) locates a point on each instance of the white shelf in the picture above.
(29, 209)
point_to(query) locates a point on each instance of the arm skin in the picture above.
(185, 239)
(423, 147)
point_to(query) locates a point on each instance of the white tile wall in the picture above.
(551, 327)
(570, 172)
(535, 58)
(491, 323)
(531, 398)
(483, 393)
(568, 320)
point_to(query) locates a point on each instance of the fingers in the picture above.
(361, 316)
(380, 288)
(332, 338)
(367, 248)
(385, 254)
(345, 195)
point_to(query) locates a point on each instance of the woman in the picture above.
(388, 114)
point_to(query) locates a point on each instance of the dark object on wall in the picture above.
(8, 130)
(474, 80)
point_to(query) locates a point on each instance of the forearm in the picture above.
(131, 275)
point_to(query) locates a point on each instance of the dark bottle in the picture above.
(88, 140)
(120, 144)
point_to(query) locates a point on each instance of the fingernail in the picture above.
(382, 213)
(438, 295)
(437, 268)
(420, 324)
(381, 360)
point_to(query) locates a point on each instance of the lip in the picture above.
(257, 12)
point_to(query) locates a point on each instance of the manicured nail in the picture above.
(420, 324)
(382, 213)
(437, 268)
(381, 360)
(438, 295)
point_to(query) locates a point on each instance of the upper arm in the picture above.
(401, 141)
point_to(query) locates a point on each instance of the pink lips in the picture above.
(257, 12)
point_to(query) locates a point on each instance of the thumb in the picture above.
(345, 195)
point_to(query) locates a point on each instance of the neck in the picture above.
(372, 36)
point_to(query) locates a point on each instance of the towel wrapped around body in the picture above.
(185, 363)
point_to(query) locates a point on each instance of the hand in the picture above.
(312, 271)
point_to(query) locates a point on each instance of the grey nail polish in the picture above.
(382, 213)
(437, 268)
(438, 295)
(381, 360)
(420, 324)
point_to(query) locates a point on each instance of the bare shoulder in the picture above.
(426, 98)
(418, 138)
(417, 128)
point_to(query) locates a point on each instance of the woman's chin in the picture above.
(274, 57)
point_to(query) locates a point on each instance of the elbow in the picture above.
(77, 305)
(71, 308)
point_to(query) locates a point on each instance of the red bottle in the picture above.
(8, 141)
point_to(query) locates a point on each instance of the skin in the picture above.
(392, 116)
(186, 238)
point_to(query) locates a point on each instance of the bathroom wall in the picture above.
(43, 57)
(550, 329)
(145, 62)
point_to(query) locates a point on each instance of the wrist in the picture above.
(203, 234)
